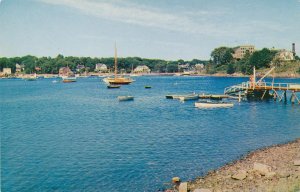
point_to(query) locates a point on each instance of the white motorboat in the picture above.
(209, 104)
(125, 98)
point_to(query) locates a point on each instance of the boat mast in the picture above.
(116, 70)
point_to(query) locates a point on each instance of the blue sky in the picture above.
(166, 29)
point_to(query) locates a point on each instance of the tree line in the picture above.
(52, 65)
(221, 61)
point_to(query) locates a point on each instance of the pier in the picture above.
(264, 90)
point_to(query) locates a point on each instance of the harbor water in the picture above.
(79, 137)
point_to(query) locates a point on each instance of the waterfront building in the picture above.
(285, 55)
(6, 71)
(100, 67)
(240, 51)
(19, 68)
(184, 67)
(142, 69)
(65, 71)
(199, 67)
(80, 68)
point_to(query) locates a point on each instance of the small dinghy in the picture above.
(169, 96)
(189, 97)
(125, 98)
(210, 104)
(113, 86)
(148, 87)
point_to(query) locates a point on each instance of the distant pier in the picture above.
(264, 90)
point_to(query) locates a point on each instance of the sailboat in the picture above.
(119, 80)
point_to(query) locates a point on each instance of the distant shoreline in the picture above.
(278, 75)
(273, 168)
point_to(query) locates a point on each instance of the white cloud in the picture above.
(199, 22)
(135, 14)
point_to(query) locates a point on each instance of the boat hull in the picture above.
(113, 86)
(118, 81)
(69, 79)
(213, 105)
(125, 98)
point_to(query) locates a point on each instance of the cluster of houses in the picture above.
(99, 68)
(281, 55)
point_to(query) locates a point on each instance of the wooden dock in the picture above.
(213, 97)
(261, 90)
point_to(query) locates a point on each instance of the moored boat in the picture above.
(113, 86)
(117, 80)
(189, 97)
(120, 80)
(209, 104)
(69, 79)
(125, 98)
(174, 96)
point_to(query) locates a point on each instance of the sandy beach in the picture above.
(275, 168)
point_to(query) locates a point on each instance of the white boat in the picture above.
(189, 97)
(69, 79)
(125, 98)
(209, 104)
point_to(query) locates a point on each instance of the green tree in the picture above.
(230, 68)
(222, 55)
(262, 58)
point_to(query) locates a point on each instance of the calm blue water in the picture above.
(78, 137)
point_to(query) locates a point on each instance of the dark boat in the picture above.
(148, 87)
(113, 86)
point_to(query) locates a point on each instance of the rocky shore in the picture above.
(276, 168)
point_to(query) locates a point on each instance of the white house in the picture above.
(284, 55)
(19, 68)
(199, 66)
(101, 67)
(142, 69)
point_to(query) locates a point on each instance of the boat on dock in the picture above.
(176, 96)
(125, 98)
(189, 97)
(213, 97)
(210, 104)
(172, 96)
(113, 86)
